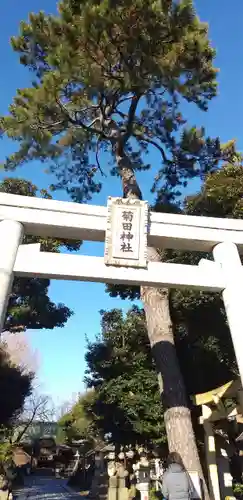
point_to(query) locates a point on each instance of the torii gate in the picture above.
(21, 215)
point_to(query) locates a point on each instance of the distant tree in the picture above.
(29, 305)
(37, 408)
(78, 422)
(221, 193)
(120, 368)
(20, 351)
(65, 408)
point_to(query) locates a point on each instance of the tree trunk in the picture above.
(177, 414)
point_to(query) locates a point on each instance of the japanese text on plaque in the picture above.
(127, 231)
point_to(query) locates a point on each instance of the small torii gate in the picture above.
(214, 410)
(127, 227)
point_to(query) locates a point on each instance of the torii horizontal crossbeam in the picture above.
(67, 220)
(31, 262)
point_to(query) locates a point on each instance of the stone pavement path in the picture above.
(45, 488)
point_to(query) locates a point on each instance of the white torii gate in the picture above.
(21, 215)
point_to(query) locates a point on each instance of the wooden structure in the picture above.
(217, 449)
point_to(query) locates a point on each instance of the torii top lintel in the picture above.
(69, 220)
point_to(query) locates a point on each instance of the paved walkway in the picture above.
(45, 488)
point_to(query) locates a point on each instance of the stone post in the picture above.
(122, 473)
(11, 234)
(210, 450)
(226, 254)
(112, 490)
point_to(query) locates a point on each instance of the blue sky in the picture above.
(62, 350)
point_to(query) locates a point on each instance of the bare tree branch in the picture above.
(37, 407)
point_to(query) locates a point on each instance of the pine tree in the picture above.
(110, 76)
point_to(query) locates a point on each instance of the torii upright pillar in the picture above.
(226, 254)
(11, 234)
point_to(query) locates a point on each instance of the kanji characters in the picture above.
(127, 215)
(126, 246)
(126, 235)
(127, 226)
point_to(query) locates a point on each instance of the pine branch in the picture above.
(46, 126)
(79, 124)
(131, 116)
(97, 158)
(141, 137)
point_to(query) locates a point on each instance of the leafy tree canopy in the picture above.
(221, 194)
(202, 314)
(78, 423)
(110, 76)
(126, 404)
(29, 305)
(121, 370)
(15, 386)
